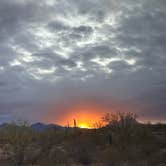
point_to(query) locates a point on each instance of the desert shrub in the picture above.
(18, 138)
(109, 157)
(132, 142)
(82, 148)
(58, 155)
(48, 138)
(82, 155)
(32, 154)
(132, 156)
(125, 130)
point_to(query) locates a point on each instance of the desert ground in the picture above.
(121, 142)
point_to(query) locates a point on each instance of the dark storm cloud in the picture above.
(76, 50)
(120, 66)
(58, 26)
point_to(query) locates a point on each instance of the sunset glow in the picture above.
(84, 126)
(84, 120)
(85, 115)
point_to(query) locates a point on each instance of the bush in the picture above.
(18, 139)
(58, 155)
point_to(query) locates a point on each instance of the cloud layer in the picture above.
(101, 50)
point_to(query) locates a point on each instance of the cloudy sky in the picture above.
(59, 53)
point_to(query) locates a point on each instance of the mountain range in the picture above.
(38, 126)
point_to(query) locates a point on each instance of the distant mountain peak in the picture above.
(42, 127)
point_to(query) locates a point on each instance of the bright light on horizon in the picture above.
(84, 126)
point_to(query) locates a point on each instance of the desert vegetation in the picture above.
(117, 140)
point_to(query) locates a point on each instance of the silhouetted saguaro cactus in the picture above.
(75, 123)
(67, 129)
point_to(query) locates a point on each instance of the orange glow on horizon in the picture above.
(83, 120)
(84, 115)
(84, 126)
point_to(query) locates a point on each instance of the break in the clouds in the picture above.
(112, 52)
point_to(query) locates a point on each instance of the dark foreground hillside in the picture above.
(122, 142)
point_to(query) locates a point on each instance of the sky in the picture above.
(58, 57)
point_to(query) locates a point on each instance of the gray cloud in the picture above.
(103, 50)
